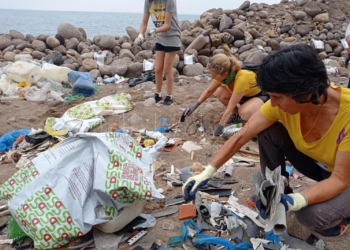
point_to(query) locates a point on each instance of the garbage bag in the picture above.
(83, 181)
(7, 140)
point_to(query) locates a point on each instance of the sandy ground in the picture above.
(33, 115)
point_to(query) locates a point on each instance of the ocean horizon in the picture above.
(37, 22)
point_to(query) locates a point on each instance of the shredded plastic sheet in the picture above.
(83, 181)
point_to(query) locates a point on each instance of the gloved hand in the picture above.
(190, 109)
(194, 183)
(218, 130)
(151, 32)
(347, 56)
(139, 40)
(293, 202)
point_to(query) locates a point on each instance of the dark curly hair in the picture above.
(296, 71)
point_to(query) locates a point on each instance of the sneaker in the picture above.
(252, 200)
(335, 231)
(157, 97)
(168, 101)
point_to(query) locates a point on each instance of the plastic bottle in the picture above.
(55, 95)
(23, 57)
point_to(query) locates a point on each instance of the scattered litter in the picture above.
(190, 146)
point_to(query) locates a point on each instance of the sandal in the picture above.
(136, 81)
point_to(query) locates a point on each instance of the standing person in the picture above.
(232, 86)
(168, 42)
(307, 121)
(347, 39)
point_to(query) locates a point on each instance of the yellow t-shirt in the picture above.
(337, 138)
(245, 81)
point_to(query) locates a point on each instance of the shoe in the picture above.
(335, 231)
(157, 97)
(252, 200)
(168, 101)
(235, 119)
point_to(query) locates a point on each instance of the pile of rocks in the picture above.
(252, 31)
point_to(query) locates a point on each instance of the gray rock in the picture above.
(60, 38)
(61, 49)
(299, 15)
(148, 45)
(144, 54)
(89, 55)
(4, 42)
(214, 22)
(337, 50)
(38, 54)
(83, 33)
(204, 60)
(328, 48)
(273, 44)
(16, 35)
(82, 69)
(193, 70)
(339, 16)
(333, 63)
(302, 2)
(254, 33)
(52, 42)
(286, 45)
(236, 33)
(204, 52)
(185, 25)
(120, 67)
(303, 30)
(329, 26)
(324, 17)
(105, 41)
(55, 56)
(215, 40)
(135, 49)
(89, 64)
(105, 70)
(259, 42)
(248, 37)
(218, 12)
(250, 14)
(72, 43)
(82, 46)
(245, 48)
(134, 70)
(124, 39)
(126, 53)
(227, 38)
(255, 57)
(16, 42)
(9, 56)
(244, 5)
(176, 61)
(244, 55)
(105, 241)
(126, 46)
(39, 45)
(287, 24)
(132, 33)
(241, 17)
(241, 26)
(330, 36)
(10, 48)
(69, 31)
(263, 14)
(225, 23)
(198, 43)
(187, 40)
(239, 43)
(312, 9)
(42, 37)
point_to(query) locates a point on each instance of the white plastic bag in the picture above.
(35, 95)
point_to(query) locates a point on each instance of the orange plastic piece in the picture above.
(187, 211)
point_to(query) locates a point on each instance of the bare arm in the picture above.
(234, 100)
(208, 92)
(334, 185)
(167, 22)
(144, 23)
(256, 123)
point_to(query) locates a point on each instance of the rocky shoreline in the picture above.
(252, 31)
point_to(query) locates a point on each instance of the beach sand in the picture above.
(33, 115)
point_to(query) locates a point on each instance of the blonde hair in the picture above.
(221, 63)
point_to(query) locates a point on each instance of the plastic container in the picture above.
(100, 58)
(57, 96)
(24, 71)
(56, 73)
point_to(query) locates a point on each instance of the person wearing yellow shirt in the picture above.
(232, 86)
(307, 121)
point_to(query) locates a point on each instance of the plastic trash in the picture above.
(176, 241)
(188, 59)
(24, 71)
(35, 95)
(10, 137)
(148, 65)
(15, 232)
(57, 96)
(99, 58)
(82, 83)
(23, 57)
(56, 73)
(201, 239)
(109, 80)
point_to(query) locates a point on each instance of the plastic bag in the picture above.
(7, 140)
(35, 95)
(15, 232)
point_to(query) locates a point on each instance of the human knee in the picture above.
(168, 71)
(315, 218)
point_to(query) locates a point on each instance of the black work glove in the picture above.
(218, 130)
(189, 111)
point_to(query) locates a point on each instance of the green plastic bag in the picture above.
(15, 231)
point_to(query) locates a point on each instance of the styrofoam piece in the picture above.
(318, 44)
(99, 58)
(344, 43)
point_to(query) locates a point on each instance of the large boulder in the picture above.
(38, 54)
(16, 34)
(312, 9)
(287, 24)
(144, 54)
(126, 53)
(39, 45)
(105, 41)
(196, 69)
(132, 33)
(303, 30)
(55, 56)
(69, 31)
(324, 17)
(52, 42)
(134, 70)
(198, 43)
(225, 23)
(4, 42)
(119, 67)
(185, 25)
(299, 15)
(255, 57)
(245, 5)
